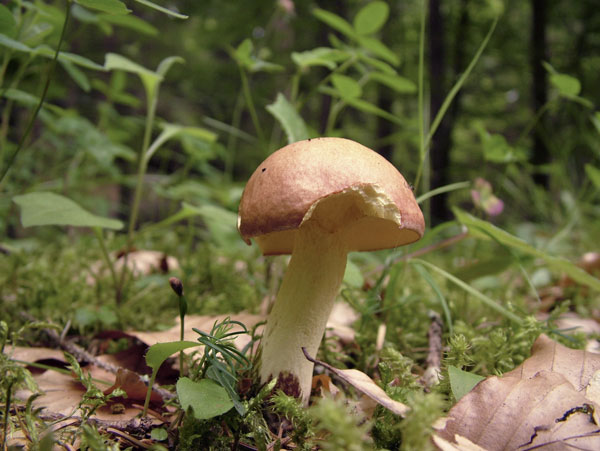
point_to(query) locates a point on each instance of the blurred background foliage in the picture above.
(523, 132)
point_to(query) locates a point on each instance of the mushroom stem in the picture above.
(304, 302)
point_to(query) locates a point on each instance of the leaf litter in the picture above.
(550, 401)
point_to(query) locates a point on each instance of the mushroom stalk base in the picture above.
(304, 302)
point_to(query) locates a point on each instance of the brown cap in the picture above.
(379, 208)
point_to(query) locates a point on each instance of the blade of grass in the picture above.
(489, 302)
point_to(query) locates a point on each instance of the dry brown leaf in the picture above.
(203, 323)
(542, 403)
(367, 386)
(140, 263)
(133, 385)
(546, 354)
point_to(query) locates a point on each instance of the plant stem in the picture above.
(106, 256)
(139, 186)
(12, 157)
(6, 413)
(250, 104)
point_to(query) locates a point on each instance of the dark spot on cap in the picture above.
(263, 169)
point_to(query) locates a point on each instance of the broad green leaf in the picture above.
(162, 9)
(347, 87)
(7, 22)
(25, 98)
(243, 56)
(367, 107)
(172, 130)
(49, 52)
(396, 82)
(45, 208)
(378, 48)
(13, 44)
(149, 78)
(335, 22)
(321, 56)
(130, 21)
(77, 75)
(160, 352)
(462, 382)
(567, 85)
(377, 64)
(159, 434)
(167, 63)
(485, 230)
(371, 17)
(106, 6)
(352, 276)
(206, 398)
(595, 118)
(497, 150)
(593, 174)
(288, 117)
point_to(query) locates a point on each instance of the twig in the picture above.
(83, 356)
(434, 356)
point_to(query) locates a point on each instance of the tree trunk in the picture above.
(441, 143)
(540, 155)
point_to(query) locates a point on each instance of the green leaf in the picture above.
(462, 382)
(48, 52)
(160, 352)
(149, 78)
(7, 22)
(593, 174)
(44, 208)
(485, 230)
(367, 107)
(371, 17)
(347, 87)
(288, 117)
(396, 82)
(25, 98)
(567, 85)
(320, 56)
(77, 75)
(243, 56)
(130, 21)
(167, 63)
(159, 434)
(335, 22)
(352, 276)
(13, 44)
(206, 398)
(106, 6)
(377, 64)
(497, 150)
(378, 48)
(595, 118)
(162, 9)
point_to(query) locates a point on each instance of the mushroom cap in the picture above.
(378, 208)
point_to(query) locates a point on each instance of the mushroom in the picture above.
(319, 199)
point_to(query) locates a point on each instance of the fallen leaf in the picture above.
(364, 384)
(140, 263)
(541, 403)
(203, 323)
(577, 366)
(133, 385)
